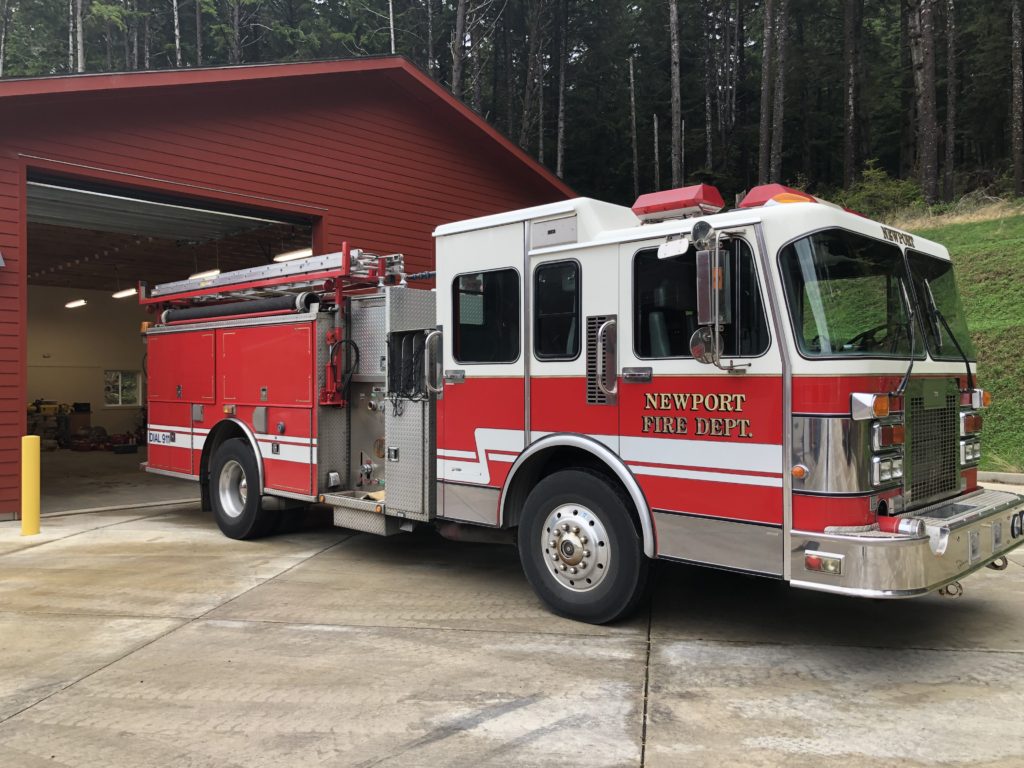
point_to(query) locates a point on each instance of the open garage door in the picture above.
(88, 247)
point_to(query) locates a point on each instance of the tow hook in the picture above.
(999, 564)
(953, 589)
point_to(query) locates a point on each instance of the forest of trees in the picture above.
(620, 98)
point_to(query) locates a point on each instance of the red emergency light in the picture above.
(678, 203)
(775, 193)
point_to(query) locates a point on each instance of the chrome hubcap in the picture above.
(576, 547)
(232, 488)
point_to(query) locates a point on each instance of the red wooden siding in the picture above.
(378, 158)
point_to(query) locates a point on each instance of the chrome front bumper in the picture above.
(963, 534)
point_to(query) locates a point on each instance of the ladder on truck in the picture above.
(344, 272)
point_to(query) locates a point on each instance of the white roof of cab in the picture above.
(603, 223)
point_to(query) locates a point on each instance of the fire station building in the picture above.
(106, 180)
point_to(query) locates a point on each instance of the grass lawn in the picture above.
(989, 259)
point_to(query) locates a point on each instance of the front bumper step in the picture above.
(961, 535)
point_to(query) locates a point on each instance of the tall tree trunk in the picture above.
(922, 37)
(632, 130)
(135, 35)
(540, 121)
(79, 37)
(563, 30)
(677, 106)
(1017, 109)
(534, 67)
(391, 23)
(853, 18)
(779, 106)
(908, 101)
(177, 33)
(657, 155)
(126, 34)
(767, 57)
(458, 48)
(951, 94)
(430, 37)
(108, 39)
(71, 35)
(708, 127)
(235, 53)
(6, 13)
(199, 33)
(145, 41)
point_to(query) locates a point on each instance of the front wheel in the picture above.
(234, 491)
(579, 548)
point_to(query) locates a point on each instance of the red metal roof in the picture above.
(405, 73)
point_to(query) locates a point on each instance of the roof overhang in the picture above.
(400, 69)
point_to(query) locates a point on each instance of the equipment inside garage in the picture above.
(88, 247)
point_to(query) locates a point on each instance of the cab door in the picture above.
(572, 362)
(481, 410)
(705, 444)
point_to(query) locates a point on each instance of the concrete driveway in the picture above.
(148, 639)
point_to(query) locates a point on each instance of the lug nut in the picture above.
(575, 529)
(583, 540)
(554, 555)
(565, 527)
(586, 553)
(562, 566)
(552, 543)
(583, 564)
(572, 570)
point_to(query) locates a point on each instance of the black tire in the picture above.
(611, 577)
(239, 513)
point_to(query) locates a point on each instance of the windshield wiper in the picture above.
(913, 337)
(937, 315)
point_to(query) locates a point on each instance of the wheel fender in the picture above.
(251, 437)
(608, 457)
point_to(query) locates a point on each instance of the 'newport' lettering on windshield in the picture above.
(897, 237)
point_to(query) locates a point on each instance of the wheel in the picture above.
(579, 548)
(234, 479)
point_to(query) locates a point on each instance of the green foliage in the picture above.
(877, 195)
(989, 259)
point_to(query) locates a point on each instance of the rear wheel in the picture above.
(234, 492)
(579, 548)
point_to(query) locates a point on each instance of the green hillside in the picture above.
(989, 259)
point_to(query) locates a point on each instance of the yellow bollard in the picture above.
(30, 485)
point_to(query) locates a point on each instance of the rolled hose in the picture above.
(298, 303)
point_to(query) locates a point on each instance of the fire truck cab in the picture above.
(786, 390)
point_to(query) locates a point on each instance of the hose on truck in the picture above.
(294, 302)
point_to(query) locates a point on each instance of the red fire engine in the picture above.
(786, 389)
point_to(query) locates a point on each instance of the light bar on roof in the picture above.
(778, 194)
(681, 203)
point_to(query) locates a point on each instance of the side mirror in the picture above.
(712, 288)
(702, 346)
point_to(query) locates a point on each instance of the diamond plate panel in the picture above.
(410, 309)
(368, 333)
(367, 522)
(411, 479)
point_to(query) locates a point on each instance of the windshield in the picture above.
(938, 274)
(844, 296)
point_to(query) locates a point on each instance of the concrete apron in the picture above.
(152, 640)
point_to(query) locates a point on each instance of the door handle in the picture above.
(428, 362)
(614, 389)
(637, 375)
(454, 376)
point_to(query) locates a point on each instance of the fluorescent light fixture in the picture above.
(204, 275)
(124, 294)
(301, 253)
(75, 304)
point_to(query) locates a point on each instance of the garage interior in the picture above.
(88, 247)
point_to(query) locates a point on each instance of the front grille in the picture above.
(933, 433)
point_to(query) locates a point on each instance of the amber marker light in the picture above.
(799, 471)
(880, 406)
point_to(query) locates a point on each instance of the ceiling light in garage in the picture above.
(204, 275)
(302, 253)
(125, 293)
(75, 304)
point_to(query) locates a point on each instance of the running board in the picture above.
(362, 515)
